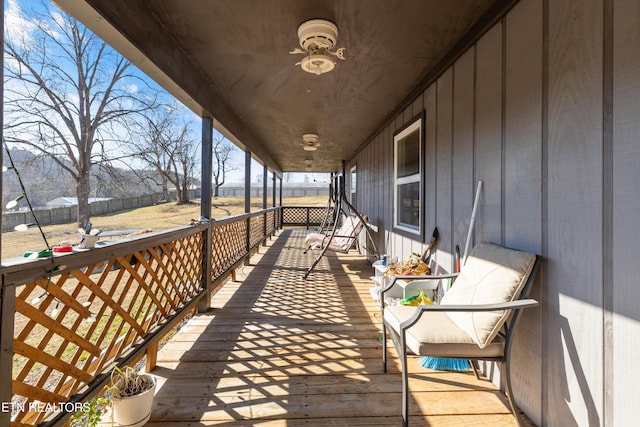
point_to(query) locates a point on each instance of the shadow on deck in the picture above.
(277, 350)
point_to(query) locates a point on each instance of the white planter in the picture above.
(88, 241)
(134, 411)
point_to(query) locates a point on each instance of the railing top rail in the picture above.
(233, 218)
(18, 271)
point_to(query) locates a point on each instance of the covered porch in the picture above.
(278, 350)
(537, 99)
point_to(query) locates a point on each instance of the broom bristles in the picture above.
(444, 364)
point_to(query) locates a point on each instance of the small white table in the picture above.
(401, 288)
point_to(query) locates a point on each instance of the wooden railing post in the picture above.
(207, 253)
(248, 222)
(281, 217)
(275, 221)
(7, 314)
(264, 228)
(152, 356)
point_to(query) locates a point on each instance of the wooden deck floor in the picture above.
(276, 350)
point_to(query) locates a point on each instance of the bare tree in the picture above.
(223, 149)
(287, 177)
(67, 94)
(167, 146)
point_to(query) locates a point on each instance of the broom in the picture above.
(444, 363)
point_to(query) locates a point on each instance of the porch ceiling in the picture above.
(230, 59)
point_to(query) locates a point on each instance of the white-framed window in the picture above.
(407, 194)
(354, 186)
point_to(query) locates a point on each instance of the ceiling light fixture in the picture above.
(308, 162)
(317, 38)
(310, 142)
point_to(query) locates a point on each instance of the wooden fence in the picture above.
(62, 215)
(66, 321)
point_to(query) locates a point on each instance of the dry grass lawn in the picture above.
(158, 217)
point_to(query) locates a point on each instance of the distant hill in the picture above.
(44, 180)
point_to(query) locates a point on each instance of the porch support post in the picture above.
(247, 182)
(247, 202)
(207, 166)
(205, 209)
(281, 210)
(273, 191)
(265, 174)
(7, 293)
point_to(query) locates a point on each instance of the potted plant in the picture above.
(131, 394)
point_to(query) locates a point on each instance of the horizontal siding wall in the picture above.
(545, 109)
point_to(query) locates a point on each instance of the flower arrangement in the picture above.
(413, 266)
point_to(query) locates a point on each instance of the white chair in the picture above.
(475, 319)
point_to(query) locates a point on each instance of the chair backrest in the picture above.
(346, 235)
(491, 274)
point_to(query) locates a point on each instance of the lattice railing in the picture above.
(305, 215)
(229, 244)
(106, 305)
(271, 222)
(72, 326)
(257, 230)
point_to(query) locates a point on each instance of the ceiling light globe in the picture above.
(317, 64)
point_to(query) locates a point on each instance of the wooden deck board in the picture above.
(277, 350)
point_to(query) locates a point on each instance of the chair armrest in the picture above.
(510, 305)
(418, 277)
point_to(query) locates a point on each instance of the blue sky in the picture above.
(16, 25)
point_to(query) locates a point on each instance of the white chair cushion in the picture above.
(492, 274)
(314, 238)
(343, 238)
(437, 335)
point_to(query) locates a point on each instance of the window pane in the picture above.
(408, 155)
(354, 183)
(408, 166)
(354, 180)
(408, 208)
